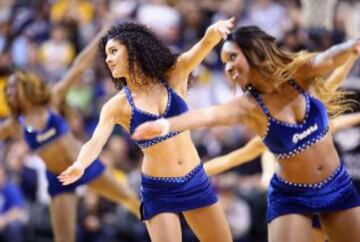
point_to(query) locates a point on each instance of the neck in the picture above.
(29, 110)
(262, 85)
(144, 88)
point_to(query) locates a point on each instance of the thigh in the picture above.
(164, 227)
(342, 225)
(109, 187)
(292, 227)
(63, 217)
(209, 223)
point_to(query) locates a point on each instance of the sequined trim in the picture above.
(314, 185)
(180, 179)
(303, 146)
(156, 140)
(295, 125)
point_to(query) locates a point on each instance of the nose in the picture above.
(108, 60)
(229, 68)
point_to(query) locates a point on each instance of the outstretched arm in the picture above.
(345, 121)
(232, 112)
(238, 157)
(340, 73)
(91, 149)
(80, 64)
(188, 61)
(333, 57)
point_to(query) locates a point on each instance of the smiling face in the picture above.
(117, 58)
(237, 68)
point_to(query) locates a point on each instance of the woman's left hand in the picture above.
(71, 174)
(220, 29)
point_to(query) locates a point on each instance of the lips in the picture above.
(235, 75)
(112, 67)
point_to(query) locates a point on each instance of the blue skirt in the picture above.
(91, 173)
(176, 194)
(335, 193)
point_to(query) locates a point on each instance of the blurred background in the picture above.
(46, 35)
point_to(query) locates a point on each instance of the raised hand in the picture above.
(71, 174)
(221, 29)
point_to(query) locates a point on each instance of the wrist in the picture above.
(211, 37)
(78, 164)
(165, 126)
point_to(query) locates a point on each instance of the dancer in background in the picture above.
(35, 109)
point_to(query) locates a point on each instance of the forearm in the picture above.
(89, 152)
(345, 121)
(87, 55)
(340, 74)
(236, 158)
(227, 162)
(337, 55)
(207, 117)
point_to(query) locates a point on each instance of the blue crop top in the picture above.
(56, 126)
(175, 106)
(284, 139)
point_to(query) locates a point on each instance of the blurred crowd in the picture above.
(46, 35)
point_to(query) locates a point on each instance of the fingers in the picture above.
(146, 131)
(70, 175)
(226, 26)
(137, 135)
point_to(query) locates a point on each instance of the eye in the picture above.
(113, 51)
(232, 56)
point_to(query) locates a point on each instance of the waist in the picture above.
(173, 157)
(174, 179)
(307, 168)
(314, 184)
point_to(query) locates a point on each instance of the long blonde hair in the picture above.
(278, 66)
(35, 90)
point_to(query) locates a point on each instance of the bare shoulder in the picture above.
(244, 106)
(246, 102)
(118, 108)
(254, 117)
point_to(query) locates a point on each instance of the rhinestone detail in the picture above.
(180, 179)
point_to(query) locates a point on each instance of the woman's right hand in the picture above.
(150, 130)
(220, 29)
(71, 174)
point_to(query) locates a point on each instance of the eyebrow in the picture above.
(110, 48)
(226, 55)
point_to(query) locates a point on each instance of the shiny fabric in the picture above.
(95, 170)
(55, 127)
(335, 193)
(176, 194)
(175, 106)
(284, 139)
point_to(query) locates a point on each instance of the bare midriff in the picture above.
(174, 157)
(312, 165)
(60, 154)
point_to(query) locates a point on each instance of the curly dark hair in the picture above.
(152, 57)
